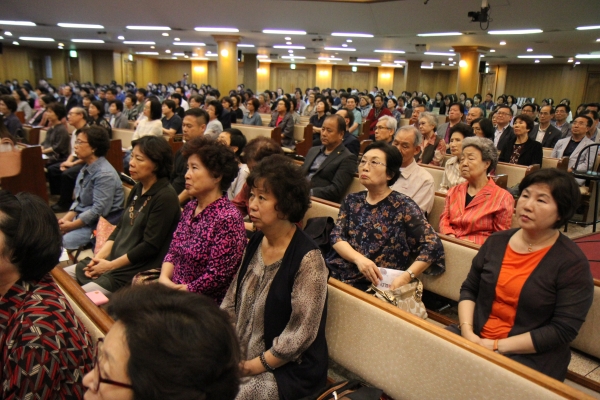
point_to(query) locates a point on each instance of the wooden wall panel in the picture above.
(146, 70)
(263, 77)
(452, 82)
(212, 73)
(59, 66)
(14, 64)
(435, 80)
(323, 78)
(199, 72)
(364, 78)
(103, 65)
(543, 81)
(240, 75)
(173, 70)
(398, 85)
(117, 59)
(86, 65)
(289, 79)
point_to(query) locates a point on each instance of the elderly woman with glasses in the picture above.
(381, 228)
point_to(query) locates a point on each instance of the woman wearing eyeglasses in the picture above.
(381, 228)
(165, 344)
(142, 238)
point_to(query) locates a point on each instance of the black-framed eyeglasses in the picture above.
(98, 379)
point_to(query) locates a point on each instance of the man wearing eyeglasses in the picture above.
(330, 167)
(385, 129)
(572, 146)
(504, 131)
(561, 112)
(545, 133)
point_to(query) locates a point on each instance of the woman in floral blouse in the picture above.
(208, 243)
(382, 228)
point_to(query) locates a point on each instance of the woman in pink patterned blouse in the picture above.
(208, 243)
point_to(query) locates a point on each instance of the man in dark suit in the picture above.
(350, 141)
(546, 133)
(68, 99)
(503, 129)
(331, 166)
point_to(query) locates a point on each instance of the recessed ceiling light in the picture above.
(389, 51)
(82, 26)
(168, 51)
(537, 61)
(529, 50)
(440, 34)
(152, 47)
(89, 41)
(535, 56)
(285, 46)
(502, 43)
(515, 32)
(194, 54)
(587, 28)
(19, 23)
(482, 56)
(443, 64)
(244, 45)
(450, 59)
(1, 37)
(570, 60)
(349, 40)
(287, 38)
(344, 45)
(165, 34)
(179, 54)
(283, 32)
(368, 60)
(330, 58)
(215, 29)
(148, 28)
(138, 42)
(352, 34)
(176, 39)
(174, 58)
(492, 51)
(121, 38)
(16, 43)
(186, 56)
(264, 60)
(339, 48)
(290, 51)
(392, 65)
(61, 44)
(36, 39)
(262, 56)
(435, 53)
(577, 62)
(597, 40)
(427, 66)
(587, 56)
(357, 63)
(211, 55)
(7, 33)
(60, 47)
(288, 42)
(147, 53)
(293, 57)
(199, 44)
(399, 62)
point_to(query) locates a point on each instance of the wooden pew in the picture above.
(355, 186)
(515, 172)
(32, 178)
(21, 116)
(403, 122)
(436, 172)
(547, 151)
(115, 155)
(303, 135)
(560, 163)
(266, 119)
(252, 131)
(363, 146)
(125, 135)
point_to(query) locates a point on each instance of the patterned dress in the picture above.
(392, 233)
(206, 249)
(45, 348)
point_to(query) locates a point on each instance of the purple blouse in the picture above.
(207, 249)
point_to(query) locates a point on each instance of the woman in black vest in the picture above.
(278, 298)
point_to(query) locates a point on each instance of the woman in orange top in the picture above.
(529, 289)
(478, 207)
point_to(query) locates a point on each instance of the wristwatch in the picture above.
(412, 276)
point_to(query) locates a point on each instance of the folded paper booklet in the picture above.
(388, 277)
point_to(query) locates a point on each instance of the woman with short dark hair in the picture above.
(42, 341)
(141, 239)
(521, 149)
(98, 191)
(57, 145)
(96, 116)
(278, 298)
(282, 117)
(483, 127)
(208, 243)
(165, 344)
(214, 126)
(236, 141)
(359, 246)
(529, 289)
(252, 117)
(22, 104)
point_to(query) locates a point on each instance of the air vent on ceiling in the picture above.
(420, 48)
(318, 39)
(273, 56)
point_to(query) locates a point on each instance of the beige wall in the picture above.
(146, 70)
(173, 70)
(104, 68)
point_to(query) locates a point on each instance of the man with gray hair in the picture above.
(414, 180)
(385, 129)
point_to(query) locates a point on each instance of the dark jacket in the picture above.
(179, 169)
(225, 119)
(72, 102)
(553, 303)
(334, 175)
(532, 152)
(505, 137)
(59, 140)
(294, 380)
(287, 129)
(351, 143)
(552, 135)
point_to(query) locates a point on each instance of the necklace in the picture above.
(132, 214)
(530, 245)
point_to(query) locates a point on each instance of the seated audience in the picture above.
(237, 108)
(8, 107)
(452, 175)
(379, 110)
(530, 289)
(214, 125)
(521, 149)
(561, 114)
(38, 119)
(282, 117)
(57, 145)
(236, 141)
(141, 239)
(45, 348)
(129, 107)
(545, 133)
(277, 300)
(478, 207)
(179, 110)
(595, 128)
(226, 102)
(572, 146)
(385, 129)
(98, 191)
(316, 120)
(350, 141)
(356, 128)
(330, 167)
(117, 119)
(150, 125)
(208, 243)
(252, 117)
(96, 117)
(392, 105)
(473, 114)
(171, 122)
(418, 108)
(504, 132)
(22, 104)
(359, 246)
(264, 106)
(165, 344)
(455, 114)
(414, 181)
(483, 127)
(311, 108)
(365, 106)
(434, 147)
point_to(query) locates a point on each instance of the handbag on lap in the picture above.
(407, 297)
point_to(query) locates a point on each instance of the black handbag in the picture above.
(319, 229)
(352, 389)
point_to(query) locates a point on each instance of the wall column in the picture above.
(468, 69)
(385, 78)
(199, 71)
(324, 75)
(412, 75)
(227, 63)
(500, 80)
(250, 67)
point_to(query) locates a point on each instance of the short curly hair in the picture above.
(487, 149)
(216, 157)
(286, 182)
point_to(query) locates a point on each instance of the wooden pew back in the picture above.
(436, 172)
(125, 135)
(515, 173)
(115, 155)
(32, 178)
(252, 131)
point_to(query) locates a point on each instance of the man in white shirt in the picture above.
(503, 129)
(546, 133)
(414, 180)
(561, 112)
